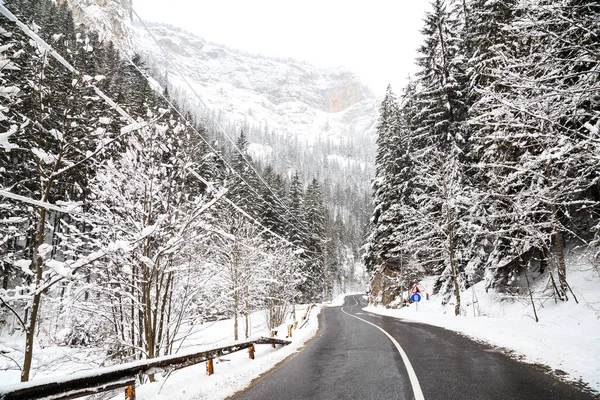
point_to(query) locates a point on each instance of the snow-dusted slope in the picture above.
(288, 97)
(298, 117)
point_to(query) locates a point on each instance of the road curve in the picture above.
(358, 355)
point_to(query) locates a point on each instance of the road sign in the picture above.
(415, 289)
(416, 297)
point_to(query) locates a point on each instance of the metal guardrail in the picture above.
(306, 315)
(119, 376)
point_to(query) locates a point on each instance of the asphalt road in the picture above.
(351, 358)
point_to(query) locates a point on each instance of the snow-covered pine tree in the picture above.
(299, 235)
(273, 214)
(244, 184)
(438, 145)
(319, 278)
(563, 86)
(295, 204)
(17, 232)
(441, 79)
(380, 240)
(530, 121)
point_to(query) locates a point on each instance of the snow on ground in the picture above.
(233, 372)
(567, 337)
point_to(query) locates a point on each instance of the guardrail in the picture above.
(123, 375)
(307, 314)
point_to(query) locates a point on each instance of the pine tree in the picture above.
(441, 91)
(295, 203)
(380, 240)
(273, 213)
(534, 148)
(314, 215)
(244, 183)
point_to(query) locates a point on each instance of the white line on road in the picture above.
(411, 372)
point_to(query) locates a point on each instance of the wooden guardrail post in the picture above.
(130, 392)
(251, 352)
(289, 330)
(210, 369)
(295, 324)
(272, 334)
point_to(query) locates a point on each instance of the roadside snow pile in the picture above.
(566, 338)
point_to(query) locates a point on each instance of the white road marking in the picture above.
(414, 381)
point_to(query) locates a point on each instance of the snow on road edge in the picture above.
(233, 372)
(567, 337)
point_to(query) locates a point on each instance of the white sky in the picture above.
(377, 39)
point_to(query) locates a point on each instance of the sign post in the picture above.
(415, 296)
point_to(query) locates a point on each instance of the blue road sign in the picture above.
(416, 298)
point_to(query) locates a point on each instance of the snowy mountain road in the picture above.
(352, 359)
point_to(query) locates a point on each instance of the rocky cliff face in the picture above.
(341, 97)
(110, 18)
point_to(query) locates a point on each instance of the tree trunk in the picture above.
(147, 318)
(236, 295)
(37, 299)
(455, 279)
(560, 251)
(235, 316)
(453, 262)
(531, 298)
(163, 313)
(5, 278)
(558, 238)
(132, 307)
(247, 312)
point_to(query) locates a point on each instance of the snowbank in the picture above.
(567, 337)
(233, 372)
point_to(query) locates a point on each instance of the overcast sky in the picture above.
(377, 39)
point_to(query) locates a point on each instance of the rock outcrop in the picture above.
(110, 18)
(341, 97)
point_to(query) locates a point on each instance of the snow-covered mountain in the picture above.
(298, 117)
(288, 97)
(285, 97)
